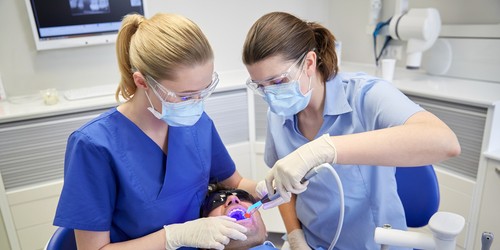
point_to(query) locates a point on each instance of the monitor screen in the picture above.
(70, 23)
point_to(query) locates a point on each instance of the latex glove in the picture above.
(297, 240)
(208, 233)
(261, 190)
(289, 171)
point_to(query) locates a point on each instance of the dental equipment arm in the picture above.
(207, 233)
(445, 228)
(420, 27)
(289, 171)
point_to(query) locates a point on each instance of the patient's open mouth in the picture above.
(237, 213)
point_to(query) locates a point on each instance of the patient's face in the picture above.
(235, 205)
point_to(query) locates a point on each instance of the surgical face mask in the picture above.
(180, 109)
(179, 114)
(286, 99)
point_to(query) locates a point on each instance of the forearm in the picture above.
(236, 181)
(249, 186)
(289, 215)
(422, 140)
(295, 235)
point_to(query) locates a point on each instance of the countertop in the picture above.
(477, 93)
(494, 155)
(32, 106)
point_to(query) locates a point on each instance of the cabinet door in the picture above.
(489, 215)
(229, 111)
(32, 151)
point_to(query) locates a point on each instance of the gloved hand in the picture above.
(208, 233)
(289, 171)
(297, 240)
(261, 190)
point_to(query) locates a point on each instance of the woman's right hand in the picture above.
(209, 233)
(287, 173)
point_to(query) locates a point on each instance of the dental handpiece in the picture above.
(486, 240)
(312, 172)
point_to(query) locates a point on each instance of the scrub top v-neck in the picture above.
(117, 179)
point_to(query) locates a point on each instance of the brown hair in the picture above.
(280, 33)
(157, 47)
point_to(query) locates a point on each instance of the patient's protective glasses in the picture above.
(174, 97)
(259, 86)
(218, 198)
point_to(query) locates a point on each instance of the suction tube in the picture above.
(341, 213)
(341, 194)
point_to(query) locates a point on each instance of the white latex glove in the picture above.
(261, 190)
(208, 233)
(289, 171)
(297, 240)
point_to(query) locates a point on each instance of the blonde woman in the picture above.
(136, 176)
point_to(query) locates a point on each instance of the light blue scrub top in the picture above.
(267, 245)
(355, 102)
(117, 179)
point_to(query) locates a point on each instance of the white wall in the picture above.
(350, 18)
(225, 22)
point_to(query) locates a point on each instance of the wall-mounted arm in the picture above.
(420, 27)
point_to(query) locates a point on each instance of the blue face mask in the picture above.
(286, 99)
(179, 114)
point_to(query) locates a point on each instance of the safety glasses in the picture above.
(218, 198)
(175, 97)
(259, 87)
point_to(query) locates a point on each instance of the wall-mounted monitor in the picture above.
(73, 23)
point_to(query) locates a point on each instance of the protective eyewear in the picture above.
(219, 198)
(259, 87)
(175, 97)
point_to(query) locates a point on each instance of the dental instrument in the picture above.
(253, 208)
(312, 172)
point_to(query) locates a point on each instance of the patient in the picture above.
(234, 203)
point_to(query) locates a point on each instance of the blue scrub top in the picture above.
(355, 103)
(117, 179)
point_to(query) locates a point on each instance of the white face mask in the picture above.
(179, 114)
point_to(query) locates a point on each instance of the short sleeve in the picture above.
(89, 191)
(381, 105)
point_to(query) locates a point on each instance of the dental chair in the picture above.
(418, 190)
(62, 239)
